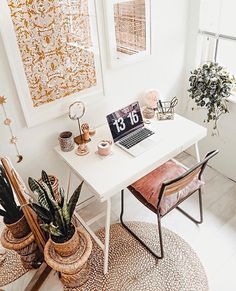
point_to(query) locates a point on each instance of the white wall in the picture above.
(225, 162)
(163, 70)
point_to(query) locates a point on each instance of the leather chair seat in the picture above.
(149, 186)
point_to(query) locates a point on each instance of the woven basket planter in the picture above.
(69, 247)
(20, 228)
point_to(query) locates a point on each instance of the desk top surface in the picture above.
(108, 175)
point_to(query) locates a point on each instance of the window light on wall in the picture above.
(217, 34)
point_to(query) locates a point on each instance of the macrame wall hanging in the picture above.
(7, 121)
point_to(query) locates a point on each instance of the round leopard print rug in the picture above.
(132, 268)
(11, 268)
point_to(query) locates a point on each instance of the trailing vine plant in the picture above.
(210, 86)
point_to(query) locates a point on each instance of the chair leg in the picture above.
(136, 237)
(200, 208)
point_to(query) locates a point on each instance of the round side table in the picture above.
(26, 247)
(74, 270)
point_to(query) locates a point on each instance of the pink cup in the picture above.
(104, 147)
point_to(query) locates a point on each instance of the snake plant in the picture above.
(55, 215)
(10, 211)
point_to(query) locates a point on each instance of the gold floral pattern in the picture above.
(54, 38)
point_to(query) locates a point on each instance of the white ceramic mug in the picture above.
(104, 147)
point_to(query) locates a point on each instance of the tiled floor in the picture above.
(214, 240)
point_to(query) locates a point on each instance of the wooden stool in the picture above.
(74, 270)
(26, 247)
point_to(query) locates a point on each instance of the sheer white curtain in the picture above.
(217, 33)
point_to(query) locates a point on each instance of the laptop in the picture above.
(128, 130)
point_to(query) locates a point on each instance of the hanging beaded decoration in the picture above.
(8, 122)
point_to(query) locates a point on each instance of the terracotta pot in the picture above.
(20, 228)
(69, 247)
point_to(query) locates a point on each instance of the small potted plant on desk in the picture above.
(66, 240)
(13, 216)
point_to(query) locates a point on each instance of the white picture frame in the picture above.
(37, 115)
(114, 60)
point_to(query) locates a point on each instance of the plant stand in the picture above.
(2, 255)
(26, 247)
(74, 270)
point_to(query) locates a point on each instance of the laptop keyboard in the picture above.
(135, 138)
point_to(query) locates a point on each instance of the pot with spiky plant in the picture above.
(56, 215)
(13, 216)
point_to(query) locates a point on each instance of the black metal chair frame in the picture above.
(201, 166)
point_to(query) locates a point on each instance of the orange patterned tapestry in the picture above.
(54, 38)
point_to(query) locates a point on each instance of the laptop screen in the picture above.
(124, 121)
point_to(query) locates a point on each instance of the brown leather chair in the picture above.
(164, 189)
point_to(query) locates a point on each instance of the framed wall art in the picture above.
(128, 25)
(53, 52)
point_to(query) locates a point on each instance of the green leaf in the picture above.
(54, 230)
(3, 213)
(61, 197)
(58, 217)
(48, 191)
(47, 181)
(5, 183)
(42, 212)
(66, 214)
(61, 222)
(74, 199)
(7, 203)
(43, 198)
(45, 227)
(36, 187)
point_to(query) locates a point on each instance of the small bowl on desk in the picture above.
(148, 113)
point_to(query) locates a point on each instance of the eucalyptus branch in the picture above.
(210, 86)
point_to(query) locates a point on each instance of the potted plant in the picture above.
(210, 86)
(54, 183)
(56, 215)
(13, 216)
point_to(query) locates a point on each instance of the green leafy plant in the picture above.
(10, 211)
(55, 215)
(210, 86)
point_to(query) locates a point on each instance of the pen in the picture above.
(160, 103)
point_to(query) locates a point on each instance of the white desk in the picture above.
(106, 176)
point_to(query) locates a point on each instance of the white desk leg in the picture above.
(197, 152)
(107, 236)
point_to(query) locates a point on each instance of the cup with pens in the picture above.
(166, 109)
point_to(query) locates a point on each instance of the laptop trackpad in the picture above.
(147, 143)
(142, 147)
